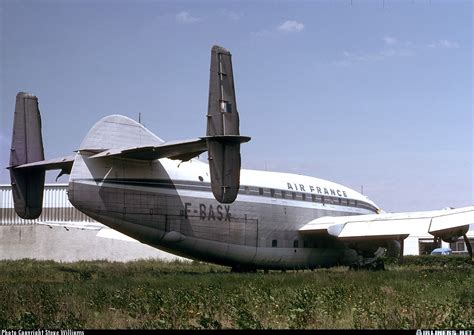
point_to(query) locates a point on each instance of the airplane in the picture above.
(159, 193)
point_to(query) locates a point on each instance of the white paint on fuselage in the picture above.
(194, 169)
(276, 218)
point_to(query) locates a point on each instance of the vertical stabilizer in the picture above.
(27, 147)
(223, 140)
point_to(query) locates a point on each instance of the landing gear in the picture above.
(375, 265)
(378, 265)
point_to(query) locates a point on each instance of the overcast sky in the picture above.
(373, 93)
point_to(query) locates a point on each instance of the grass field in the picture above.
(425, 292)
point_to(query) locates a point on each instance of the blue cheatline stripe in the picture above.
(243, 190)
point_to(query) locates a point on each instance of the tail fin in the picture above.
(223, 138)
(27, 147)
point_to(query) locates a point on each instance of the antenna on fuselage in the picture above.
(140, 117)
(362, 189)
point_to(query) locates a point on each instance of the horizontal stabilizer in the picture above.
(180, 150)
(183, 150)
(448, 224)
(61, 163)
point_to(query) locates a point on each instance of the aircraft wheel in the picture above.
(378, 265)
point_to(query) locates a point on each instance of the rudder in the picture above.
(27, 147)
(223, 137)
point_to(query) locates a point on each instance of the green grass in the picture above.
(424, 292)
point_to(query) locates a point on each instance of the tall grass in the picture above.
(190, 295)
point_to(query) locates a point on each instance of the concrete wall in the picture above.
(58, 244)
(29, 239)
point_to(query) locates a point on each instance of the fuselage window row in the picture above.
(300, 196)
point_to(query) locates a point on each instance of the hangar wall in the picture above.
(29, 239)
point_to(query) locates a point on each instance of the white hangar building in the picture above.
(83, 238)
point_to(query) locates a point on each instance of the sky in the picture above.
(369, 94)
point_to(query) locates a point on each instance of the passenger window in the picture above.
(260, 191)
(272, 193)
(283, 194)
(313, 197)
(274, 243)
(293, 195)
(303, 196)
(295, 244)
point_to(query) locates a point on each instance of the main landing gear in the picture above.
(375, 265)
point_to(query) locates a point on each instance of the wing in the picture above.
(447, 224)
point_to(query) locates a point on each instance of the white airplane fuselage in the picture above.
(169, 205)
